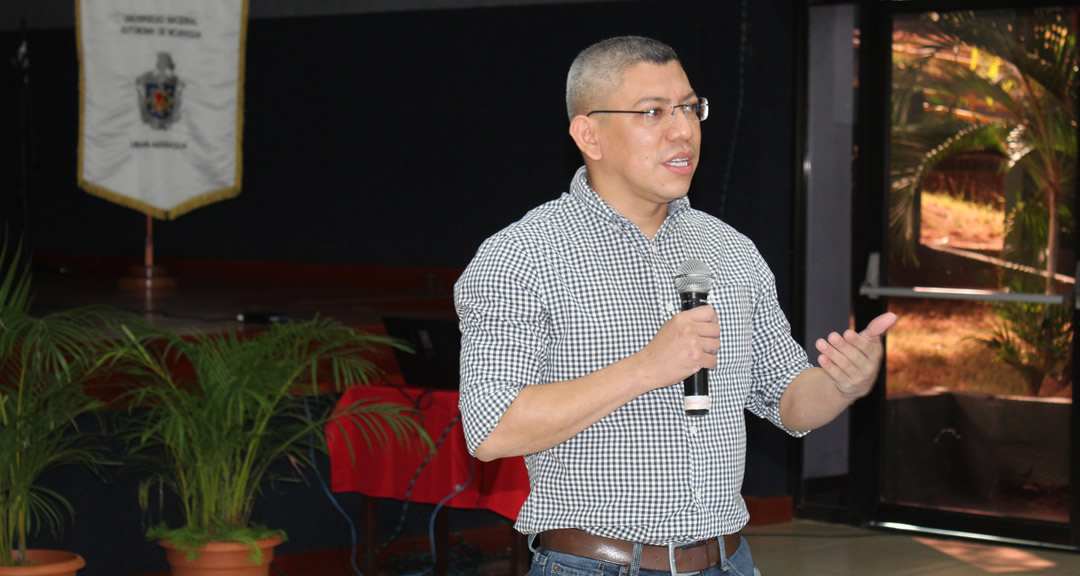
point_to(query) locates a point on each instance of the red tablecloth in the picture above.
(500, 486)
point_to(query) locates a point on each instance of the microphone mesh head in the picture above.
(693, 276)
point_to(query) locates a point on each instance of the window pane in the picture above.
(982, 162)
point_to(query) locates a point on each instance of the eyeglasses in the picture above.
(696, 111)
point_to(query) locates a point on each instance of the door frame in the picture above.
(870, 230)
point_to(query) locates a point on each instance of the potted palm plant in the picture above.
(44, 363)
(212, 413)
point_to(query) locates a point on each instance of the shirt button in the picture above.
(692, 430)
(670, 307)
(697, 496)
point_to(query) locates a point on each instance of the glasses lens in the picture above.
(652, 116)
(702, 108)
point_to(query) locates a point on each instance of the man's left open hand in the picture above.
(853, 360)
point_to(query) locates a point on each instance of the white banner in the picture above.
(161, 86)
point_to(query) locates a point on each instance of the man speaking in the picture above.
(575, 344)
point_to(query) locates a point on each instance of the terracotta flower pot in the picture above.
(47, 563)
(221, 559)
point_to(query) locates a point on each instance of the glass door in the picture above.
(974, 415)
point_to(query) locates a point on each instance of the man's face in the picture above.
(641, 163)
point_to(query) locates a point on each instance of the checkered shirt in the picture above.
(574, 286)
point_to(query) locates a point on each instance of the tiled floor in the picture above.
(806, 548)
(809, 548)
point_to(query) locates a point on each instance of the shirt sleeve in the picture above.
(778, 359)
(504, 334)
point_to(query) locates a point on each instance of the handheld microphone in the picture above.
(261, 318)
(693, 280)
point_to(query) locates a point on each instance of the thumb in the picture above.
(879, 325)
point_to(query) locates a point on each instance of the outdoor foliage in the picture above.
(44, 364)
(993, 82)
(1035, 339)
(212, 413)
(1003, 83)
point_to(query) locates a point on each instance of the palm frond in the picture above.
(14, 280)
(917, 149)
(1037, 43)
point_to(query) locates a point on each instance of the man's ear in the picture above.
(583, 131)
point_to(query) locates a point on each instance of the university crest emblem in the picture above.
(159, 93)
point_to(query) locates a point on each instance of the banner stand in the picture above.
(148, 277)
(161, 106)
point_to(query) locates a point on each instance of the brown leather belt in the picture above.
(694, 557)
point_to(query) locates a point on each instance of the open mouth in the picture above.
(678, 162)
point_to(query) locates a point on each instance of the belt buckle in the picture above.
(671, 559)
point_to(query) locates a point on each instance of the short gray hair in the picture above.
(598, 69)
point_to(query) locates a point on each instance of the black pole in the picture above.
(20, 61)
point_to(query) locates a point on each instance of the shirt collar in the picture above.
(580, 189)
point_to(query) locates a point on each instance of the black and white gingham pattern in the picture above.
(574, 286)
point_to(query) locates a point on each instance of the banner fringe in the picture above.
(153, 211)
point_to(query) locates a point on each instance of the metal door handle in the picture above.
(872, 288)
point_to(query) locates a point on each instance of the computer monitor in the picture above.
(435, 362)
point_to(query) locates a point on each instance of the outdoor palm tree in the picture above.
(999, 83)
(996, 83)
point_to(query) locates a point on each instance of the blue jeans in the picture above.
(548, 563)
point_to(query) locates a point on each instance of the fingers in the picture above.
(702, 314)
(703, 321)
(852, 346)
(687, 343)
(852, 360)
(855, 348)
(842, 355)
(705, 328)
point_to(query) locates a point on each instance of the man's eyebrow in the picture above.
(659, 100)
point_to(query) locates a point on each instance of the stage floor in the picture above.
(201, 303)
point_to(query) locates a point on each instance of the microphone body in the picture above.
(696, 387)
(693, 280)
(261, 318)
